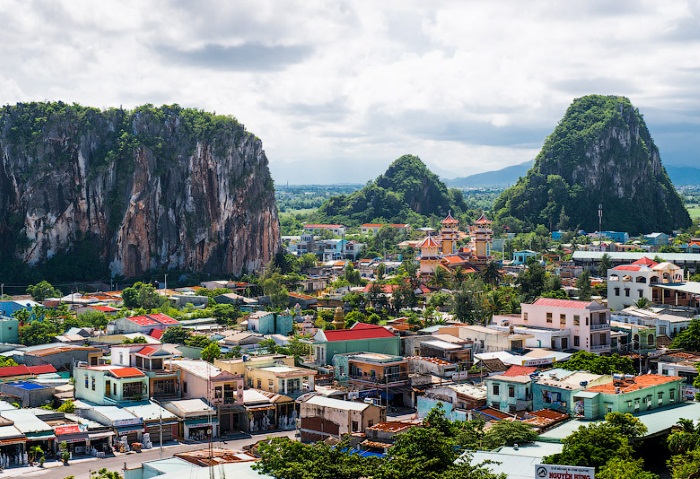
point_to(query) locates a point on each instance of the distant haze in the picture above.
(338, 90)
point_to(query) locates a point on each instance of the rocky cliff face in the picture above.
(601, 152)
(153, 188)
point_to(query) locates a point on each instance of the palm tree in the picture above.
(605, 265)
(643, 303)
(439, 278)
(490, 274)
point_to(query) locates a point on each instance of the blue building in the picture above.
(616, 236)
(264, 322)
(555, 389)
(521, 257)
(657, 239)
(8, 308)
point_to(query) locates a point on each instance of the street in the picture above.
(81, 468)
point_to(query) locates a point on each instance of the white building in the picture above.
(628, 283)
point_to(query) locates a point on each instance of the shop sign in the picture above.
(554, 471)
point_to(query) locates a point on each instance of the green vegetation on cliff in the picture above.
(407, 192)
(600, 153)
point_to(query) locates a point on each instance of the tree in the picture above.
(627, 424)
(353, 317)
(135, 340)
(468, 302)
(511, 432)
(175, 335)
(105, 474)
(583, 284)
(689, 338)
(592, 446)
(42, 290)
(352, 275)
(225, 313)
(490, 274)
(604, 265)
(37, 332)
(643, 303)
(198, 341)
(617, 468)
(685, 466)
(593, 363)
(211, 352)
(68, 406)
(531, 281)
(273, 287)
(142, 295)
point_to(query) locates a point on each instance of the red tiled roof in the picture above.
(372, 225)
(163, 318)
(550, 414)
(449, 220)
(646, 261)
(126, 373)
(143, 320)
(627, 267)
(453, 259)
(386, 288)
(156, 333)
(315, 225)
(519, 371)
(483, 220)
(104, 309)
(428, 242)
(22, 370)
(42, 369)
(148, 350)
(639, 382)
(360, 331)
(561, 303)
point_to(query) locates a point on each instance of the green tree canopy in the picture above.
(42, 290)
(596, 364)
(689, 338)
(211, 352)
(592, 446)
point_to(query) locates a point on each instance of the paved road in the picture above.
(81, 468)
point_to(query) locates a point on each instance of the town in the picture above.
(598, 330)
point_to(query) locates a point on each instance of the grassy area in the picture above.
(694, 212)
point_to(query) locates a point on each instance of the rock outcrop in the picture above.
(600, 153)
(152, 188)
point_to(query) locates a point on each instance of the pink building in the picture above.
(587, 322)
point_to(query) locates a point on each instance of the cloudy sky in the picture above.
(339, 89)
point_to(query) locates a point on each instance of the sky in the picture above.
(337, 90)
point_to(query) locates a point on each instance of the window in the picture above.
(184, 387)
(640, 293)
(617, 291)
(577, 341)
(549, 317)
(562, 319)
(636, 405)
(586, 320)
(86, 382)
(650, 340)
(133, 390)
(524, 316)
(511, 408)
(662, 330)
(496, 390)
(664, 372)
(672, 395)
(259, 384)
(218, 392)
(93, 384)
(577, 319)
(661, 399)
(627, 292)
(511, 391)
(355, 426)
(108, 388)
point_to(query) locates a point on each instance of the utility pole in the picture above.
(600, 219)
(165, 285)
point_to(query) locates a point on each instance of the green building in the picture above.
(633, 394)
(9, 330)
(361, 337)
(110, 385)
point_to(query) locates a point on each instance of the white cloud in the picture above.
(338, 89)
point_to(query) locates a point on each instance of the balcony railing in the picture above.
(600, 347)
(600, 326)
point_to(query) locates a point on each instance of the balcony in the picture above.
(388, 380)
(600, 347)
(600, 327)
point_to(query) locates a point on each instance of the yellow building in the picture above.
(429, 255)
(449, 234)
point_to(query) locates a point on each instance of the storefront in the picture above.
(12, 446)
(201, 428)
(100, 441)
(128, 434)
(156, 419)
(231, 418)
(43, 439)
(168, 428)
(75, 437)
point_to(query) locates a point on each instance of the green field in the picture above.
(694, 212)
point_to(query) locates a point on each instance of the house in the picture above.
(267, 410)
(110, 385)
(374, 228)
(60, 356)
(666, 324)
(337, 230)
(683, 364)
(511, 391)
(521, 257)
(151, 360)
(221, 389)
(27, 393)
(274, 373)
(10, 307)
(629, 283)
(265, 322)
(457, 400)
(141, 324)
(587, 322)
(432, 366)
(158, 422)
(197, 419)
(245, 340)
(380, 437)
(657, 239)
(23, 372)
(9, 330)
(361, 337)
(635, 337)
(384, 374)
(555, 389)
(628, 394)
(491, 340)
(323, 417)
(616, 236)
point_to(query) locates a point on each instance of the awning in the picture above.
(12, 440)
(123, 431)
(40, 436)
(259, 408)
(100, 435)
(70, 438)
(200, 422)
(164, 423)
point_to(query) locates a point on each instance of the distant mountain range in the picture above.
(680, 176)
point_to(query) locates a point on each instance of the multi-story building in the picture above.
(361, 337)
(587, 322)
(628, 283)
(385, 374)
(337, 230)
(555, 389)
(323, 417)
(110, 384)
(511, 391)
